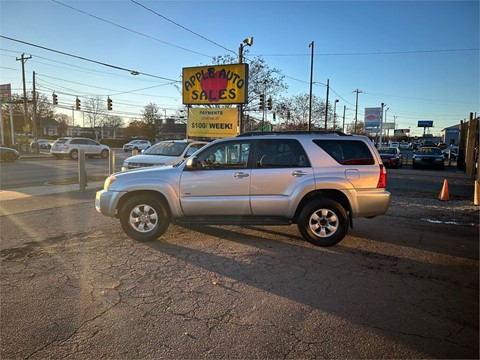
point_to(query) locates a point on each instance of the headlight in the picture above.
(108, 182)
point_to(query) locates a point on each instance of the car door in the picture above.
(281, 167)
(221, 183)
(91, 147)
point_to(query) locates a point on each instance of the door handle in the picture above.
(298, 173)
(240, 175)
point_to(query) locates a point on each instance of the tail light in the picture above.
(382, 179)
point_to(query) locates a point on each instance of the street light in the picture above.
(248, 42)
(381, 126)
(335, 113)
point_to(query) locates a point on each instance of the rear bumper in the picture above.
(372, 203)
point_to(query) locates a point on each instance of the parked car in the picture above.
(137, 145)
(70, 147)
(450, 152)
(391, 157)
(404, 146)
(8, 154)
(442, 146)
(428, 157)
(428, 143)
(415, 145)
(169, 152)
(394, 144)
(319, 181)
(41, 143)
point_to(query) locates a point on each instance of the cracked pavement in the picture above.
(79, 288)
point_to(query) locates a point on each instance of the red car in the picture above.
(391, 157)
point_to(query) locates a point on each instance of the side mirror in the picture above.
(192, 163)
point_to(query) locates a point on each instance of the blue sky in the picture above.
(421, 58)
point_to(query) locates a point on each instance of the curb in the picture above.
(29, 191)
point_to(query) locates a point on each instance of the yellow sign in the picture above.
(215, 84)
(212, 122)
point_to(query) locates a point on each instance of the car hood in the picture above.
(153, 159)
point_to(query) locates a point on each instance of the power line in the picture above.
(127, 29)
(183, 27)
(133, 72)
(374, 53)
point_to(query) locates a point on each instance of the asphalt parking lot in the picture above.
(403, 285)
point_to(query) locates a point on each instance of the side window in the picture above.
(347, 152)
(192, 149)
(226, 155)
(281, 153)
(91, 142)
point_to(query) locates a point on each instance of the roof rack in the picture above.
(293, 132)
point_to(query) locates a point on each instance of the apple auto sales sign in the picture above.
(215, 84)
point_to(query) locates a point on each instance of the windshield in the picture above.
(430, 151)
(387, 151)
(167, 149)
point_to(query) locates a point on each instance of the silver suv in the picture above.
(318, 181)
(71, 146)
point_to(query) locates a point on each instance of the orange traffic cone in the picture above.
(444, 196)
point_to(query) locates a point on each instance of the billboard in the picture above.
(425, 123)
(373, 116)
(215, 84)
(6, 91)
(212, 122)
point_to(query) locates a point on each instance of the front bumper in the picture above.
(106, 202)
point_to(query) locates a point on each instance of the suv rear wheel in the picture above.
(323, 222)
(74, 154)
(144, 218)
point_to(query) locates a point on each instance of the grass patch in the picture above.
(74, 180)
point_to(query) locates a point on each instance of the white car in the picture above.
(168, 152)
(137, 145)
(70, 147)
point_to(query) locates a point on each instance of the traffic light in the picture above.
(109, 103)
(262, 102)
(274, 116)
(77, 103)
(269, 103)
(54, 99)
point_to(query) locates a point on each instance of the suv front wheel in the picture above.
(144, 218)
(323, 222)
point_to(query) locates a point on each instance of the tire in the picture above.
(323, 222)
(9, 157)
(144, 218)
(74, 154)
(104, 154)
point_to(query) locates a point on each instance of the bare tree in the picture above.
(152, 119)
(95, 112)
(113, 122)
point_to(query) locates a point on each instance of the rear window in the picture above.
(351, 152)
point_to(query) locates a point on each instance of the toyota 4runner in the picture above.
(318, 181)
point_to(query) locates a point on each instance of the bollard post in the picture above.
(111, 162)
(134, 152)
(82, 173)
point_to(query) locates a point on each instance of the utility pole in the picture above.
(24, 59)
(34, 117)
(344, 109)
(326, 105)
(356, 109)
(311, 82)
